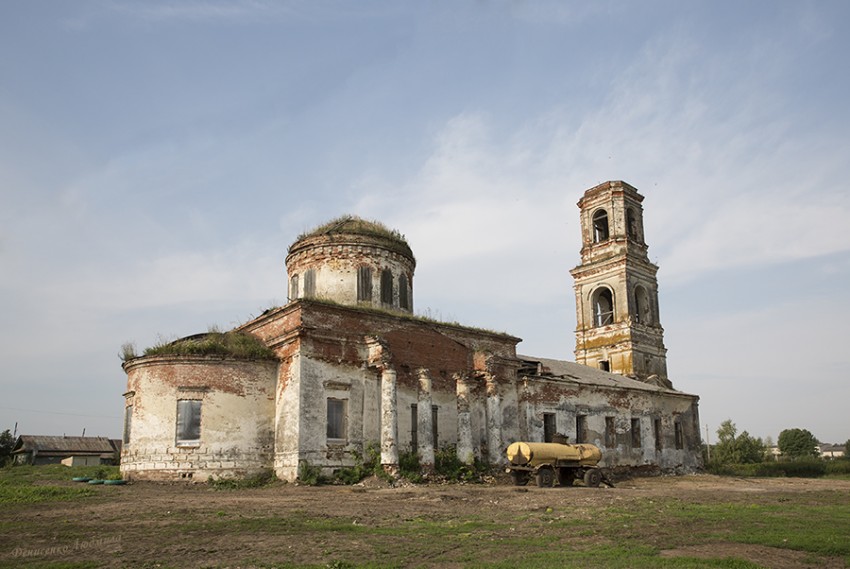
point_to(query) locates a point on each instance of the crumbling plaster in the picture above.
(237, 399)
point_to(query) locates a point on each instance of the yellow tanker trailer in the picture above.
(546, 460)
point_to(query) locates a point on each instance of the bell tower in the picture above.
(618, 325)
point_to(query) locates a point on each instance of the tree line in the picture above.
(744, 454)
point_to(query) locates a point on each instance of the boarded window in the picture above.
(386, 287)
(600, 226)
(336, 419)
(293, 287)
(414, 426)
(636, 443)
(364, 284)
(549, 428)
(610, 433)
(403, 293)
(309, 283)
(680, 435)
(188, 421)
(656, 424)
(128, 420)
(435, 431)
(581, 428)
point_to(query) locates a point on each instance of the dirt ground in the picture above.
(193, 525)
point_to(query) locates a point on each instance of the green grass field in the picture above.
(163, 526)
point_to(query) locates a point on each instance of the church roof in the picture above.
(354, 225)
(586, 375)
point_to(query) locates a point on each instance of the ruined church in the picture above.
(349, 364)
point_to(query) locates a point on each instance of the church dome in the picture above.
(353, 261)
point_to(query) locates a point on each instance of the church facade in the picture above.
(348, 364)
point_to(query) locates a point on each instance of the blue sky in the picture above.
(157, 159)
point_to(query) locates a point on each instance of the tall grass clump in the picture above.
(233, 344)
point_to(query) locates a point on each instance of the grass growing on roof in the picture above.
(233, 344)
(355, 225)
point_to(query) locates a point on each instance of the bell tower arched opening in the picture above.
(603, 307)
(600, 226)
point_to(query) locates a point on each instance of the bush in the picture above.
(791, 469)
(367, 464)
(7, 445)
(838, 466)
(448, 465)
(811, 468)
(409, 467)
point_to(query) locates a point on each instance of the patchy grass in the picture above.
(623, 537)
(30, 484)
(475, 526)
(232, 344)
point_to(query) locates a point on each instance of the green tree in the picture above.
(732, 448)
(7, 445)
(798, 443)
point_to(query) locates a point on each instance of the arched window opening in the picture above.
(643, 310)
(603, 307)
(600, 226)
(310, 283)
(293, 287)
(386, 287)
(364, 284)
(632, 225)
(403, 293)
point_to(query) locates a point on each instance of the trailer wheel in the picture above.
(566, 476)
(520, 477)
(545, 477)
(592, 478)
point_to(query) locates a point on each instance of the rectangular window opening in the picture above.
(414, 426)
(364, 284)
(656, 426)
(636, 442)
(604, 365)
(188, 421)
(128, 420)
(680, 436)
(293, 287)
(581, 428)
(549, 428)
(610, 433)
(336, 419)
(434, 430)
(310, 283)
(386, 287)
(403, 297)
